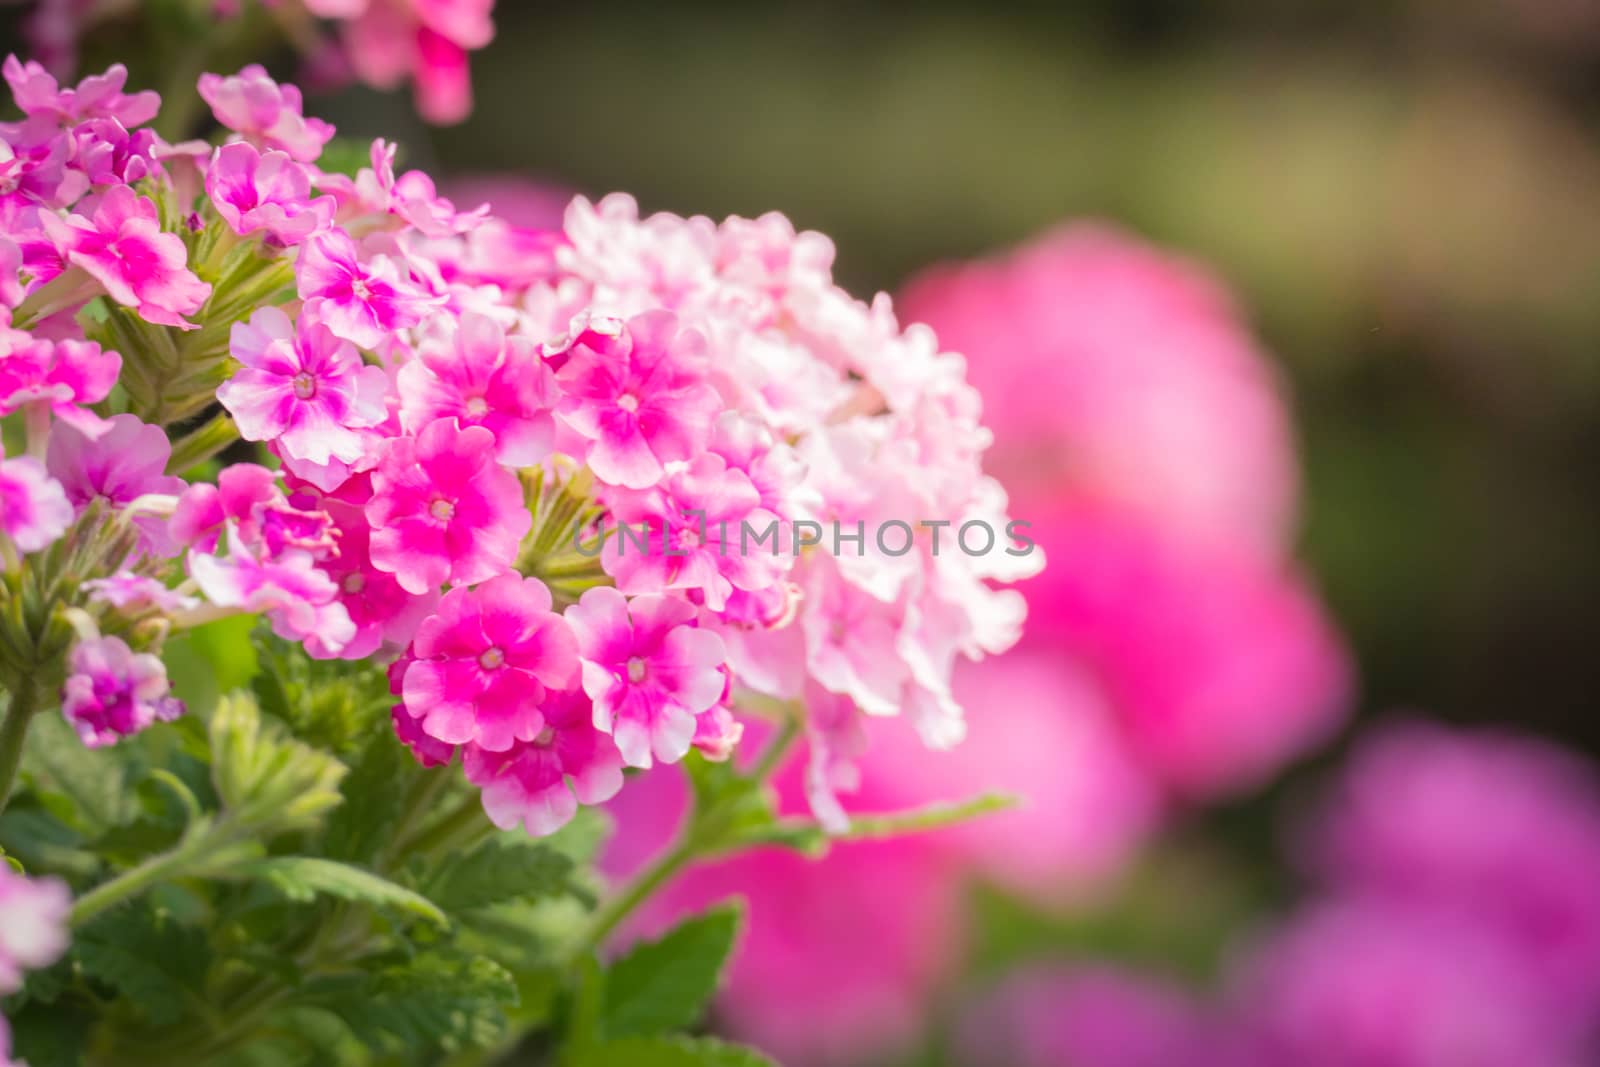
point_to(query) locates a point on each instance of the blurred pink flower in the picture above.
(1501, 830)
(838, 958)
(1110, 368)
(1093, 1016)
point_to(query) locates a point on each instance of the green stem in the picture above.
(701, 827)
(201, 443)
(13, 732)
(130, 883)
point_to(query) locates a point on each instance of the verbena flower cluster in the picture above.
(450, 412)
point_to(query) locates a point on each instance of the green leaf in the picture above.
(84, 788)
(303, 878)
(156, 964)
(664, 985)
(504, 867)
(433, 1001)
(374, 793)
(668, 1052)
(331, 704)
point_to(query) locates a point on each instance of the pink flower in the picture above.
(540, 783)
(1349, 983)
(483, 661)
(637, 395)
(1502, 829)
(648, 669)
(34, 509)
(97, 96)
(1093, 1015)
(129, 461)
(363, 302)
(62, 376)
(1121, 372)
(443, 510)
(123, 248)
(266, 191)
(851, 641)
(428, 39)
(252, 104)
(112, 692)
(296, 595)
(33, 924)
(383, 612)
(302, 387)
(134, 593)
(243, 491)
(839, 958)
(696, 520)
(480, 377)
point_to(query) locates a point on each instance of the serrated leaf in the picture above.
(374, 793)
(268, 782)
(433, 1001)
(303, 878)
(664, 985)
(333, 704)
(668, 1052)
(504, 867)
(84, 788)
(155, 964)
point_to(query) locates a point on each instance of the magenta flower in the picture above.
(696, 519)
(637, 394)
(480, 377)
(649, 670)
(383, 612)
(540, 783)
(33, 924)
(483, 661)
(34, 509)
(62, 376)
(98, 96)
(302, 388)
(266, 191)
(428, 751)
(129, 461)
(123, 248)
(363, 302)
(253, 105)
(427, 39)
(442, 510)
(113, 692)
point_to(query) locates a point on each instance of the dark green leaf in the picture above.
(664, 985)
(504, 867)
(668, 1052)
(303, 878)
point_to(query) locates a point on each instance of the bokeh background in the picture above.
(1403, 197)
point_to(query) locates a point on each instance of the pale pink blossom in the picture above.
(112, 692)
(649, 670)
(133, 593)
(33, 924)
(636, 393)
(253, 105)
(302, 387)
(34, 509)
(296, 595)
(482, 664)
(539, 784)
(122, 247)
(266, 191)
(425, 39)
(478, 376)
(442, 510)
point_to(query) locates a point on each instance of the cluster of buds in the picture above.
(522, 466)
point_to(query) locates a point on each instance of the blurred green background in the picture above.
(1405, 194)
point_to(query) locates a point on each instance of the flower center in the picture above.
(354, 583)
(545, 736)
(362, 291)
(305, 385)
(442, 510)
(477, 406)
(491, 658)
(628, 402)
(636, 669)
